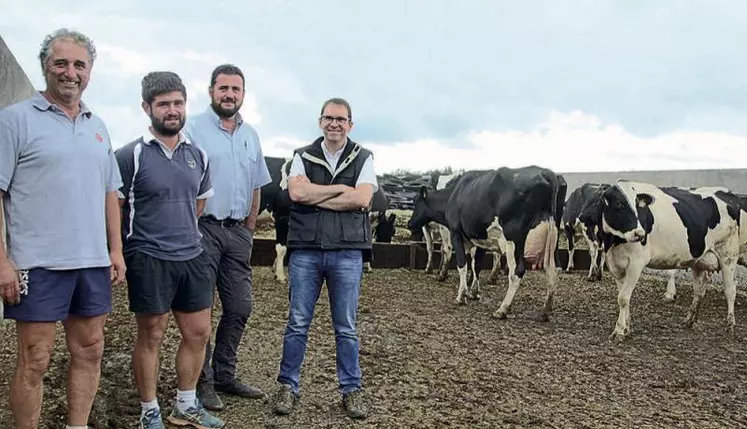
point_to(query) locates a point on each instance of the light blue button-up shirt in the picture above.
(237, 165)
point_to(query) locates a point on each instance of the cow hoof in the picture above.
(688, 322)
(428, 270)
(461, 301)
(668, 299)
(441, 278)
(493, 280)
(543, 317)
(618, 336)
(499, 314)
(475, 296)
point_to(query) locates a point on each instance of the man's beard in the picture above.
(223, 112)
(162, 129)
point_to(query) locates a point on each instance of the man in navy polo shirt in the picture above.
(238, 171)
(58, 184)
(166, 182)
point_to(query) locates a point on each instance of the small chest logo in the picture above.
(99, 138)
(192, 164)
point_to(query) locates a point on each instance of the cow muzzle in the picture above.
(636, 235)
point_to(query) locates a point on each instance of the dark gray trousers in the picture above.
(229, 251)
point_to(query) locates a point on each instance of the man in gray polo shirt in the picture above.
(58, 183)
(166, 182)
(238, 171)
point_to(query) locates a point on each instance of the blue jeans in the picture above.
(343, 271)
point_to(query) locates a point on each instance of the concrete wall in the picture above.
(734, 179)
(14, 86)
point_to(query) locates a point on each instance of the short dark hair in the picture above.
(161, 82)
(341, 102)
(229, 69)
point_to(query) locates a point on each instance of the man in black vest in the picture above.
(331, 185)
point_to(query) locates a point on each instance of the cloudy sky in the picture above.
(577, 85)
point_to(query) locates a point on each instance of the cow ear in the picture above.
(423, 192)
(644, 200)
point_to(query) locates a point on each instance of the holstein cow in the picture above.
(642, 225)
(671, 292)
(442, 182)
(276, 202)
(575, 227)
(495, 210)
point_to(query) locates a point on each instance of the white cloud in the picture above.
(572, 142)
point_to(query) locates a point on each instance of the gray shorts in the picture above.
(54, 294)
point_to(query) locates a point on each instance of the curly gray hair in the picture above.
(161, 82)
(65, 33)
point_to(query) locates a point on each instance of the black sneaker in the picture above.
(209, 399)
(353, 404)
(237, 388)
(285, 400)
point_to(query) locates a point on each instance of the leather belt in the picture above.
(224, 223)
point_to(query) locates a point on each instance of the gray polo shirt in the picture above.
(55, 173)
(160, 192)
(237, 165)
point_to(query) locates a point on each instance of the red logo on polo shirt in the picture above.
(99, 138)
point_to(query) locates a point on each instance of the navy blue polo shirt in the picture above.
(160, 192)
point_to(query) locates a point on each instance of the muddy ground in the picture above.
(430, 363)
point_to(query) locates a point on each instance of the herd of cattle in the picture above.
(520, 212)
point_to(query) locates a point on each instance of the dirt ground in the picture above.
(428, 362)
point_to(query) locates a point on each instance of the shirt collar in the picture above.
(40, 102)
(329, 154)
(217, 121)
(148, 138)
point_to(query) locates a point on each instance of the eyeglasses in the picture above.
(326, 120)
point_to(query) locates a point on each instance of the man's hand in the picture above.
(118, 266)
(10, 288)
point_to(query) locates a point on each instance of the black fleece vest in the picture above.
(312, 227)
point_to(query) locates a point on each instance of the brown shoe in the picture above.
(285, 400)
(353, 404)
(209, 399)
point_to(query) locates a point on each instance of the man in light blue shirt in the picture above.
(58, 183)
(238, 171)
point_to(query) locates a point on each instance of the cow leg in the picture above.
(671, 288)
(550, 270)
(571, 250)
(477, 255)
(699, 289)
(428, 248)
(446, 249)
(516, 269)
(461, 260)
(593, 260)
(625, 287)
(278, 264)
(728, 270)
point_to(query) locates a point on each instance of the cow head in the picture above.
(421, 210)
(385, 228)
(624, 210)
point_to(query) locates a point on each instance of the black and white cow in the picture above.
(276, 202)
(574, 226)
(439, 182)
(642, 225)
(495, 210)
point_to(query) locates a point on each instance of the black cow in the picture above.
(276, 202)
(574, 226)
(495, 210)
(642, 225)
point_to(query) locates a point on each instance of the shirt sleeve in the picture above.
(126, 164)
(368, 175)
(113, 175)
(9, 152)
(297, 168)
(206, 188)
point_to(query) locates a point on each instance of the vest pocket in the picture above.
(303, 225)
(354, 228)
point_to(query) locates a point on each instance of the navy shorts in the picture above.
(156, 286)
(55, 294)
